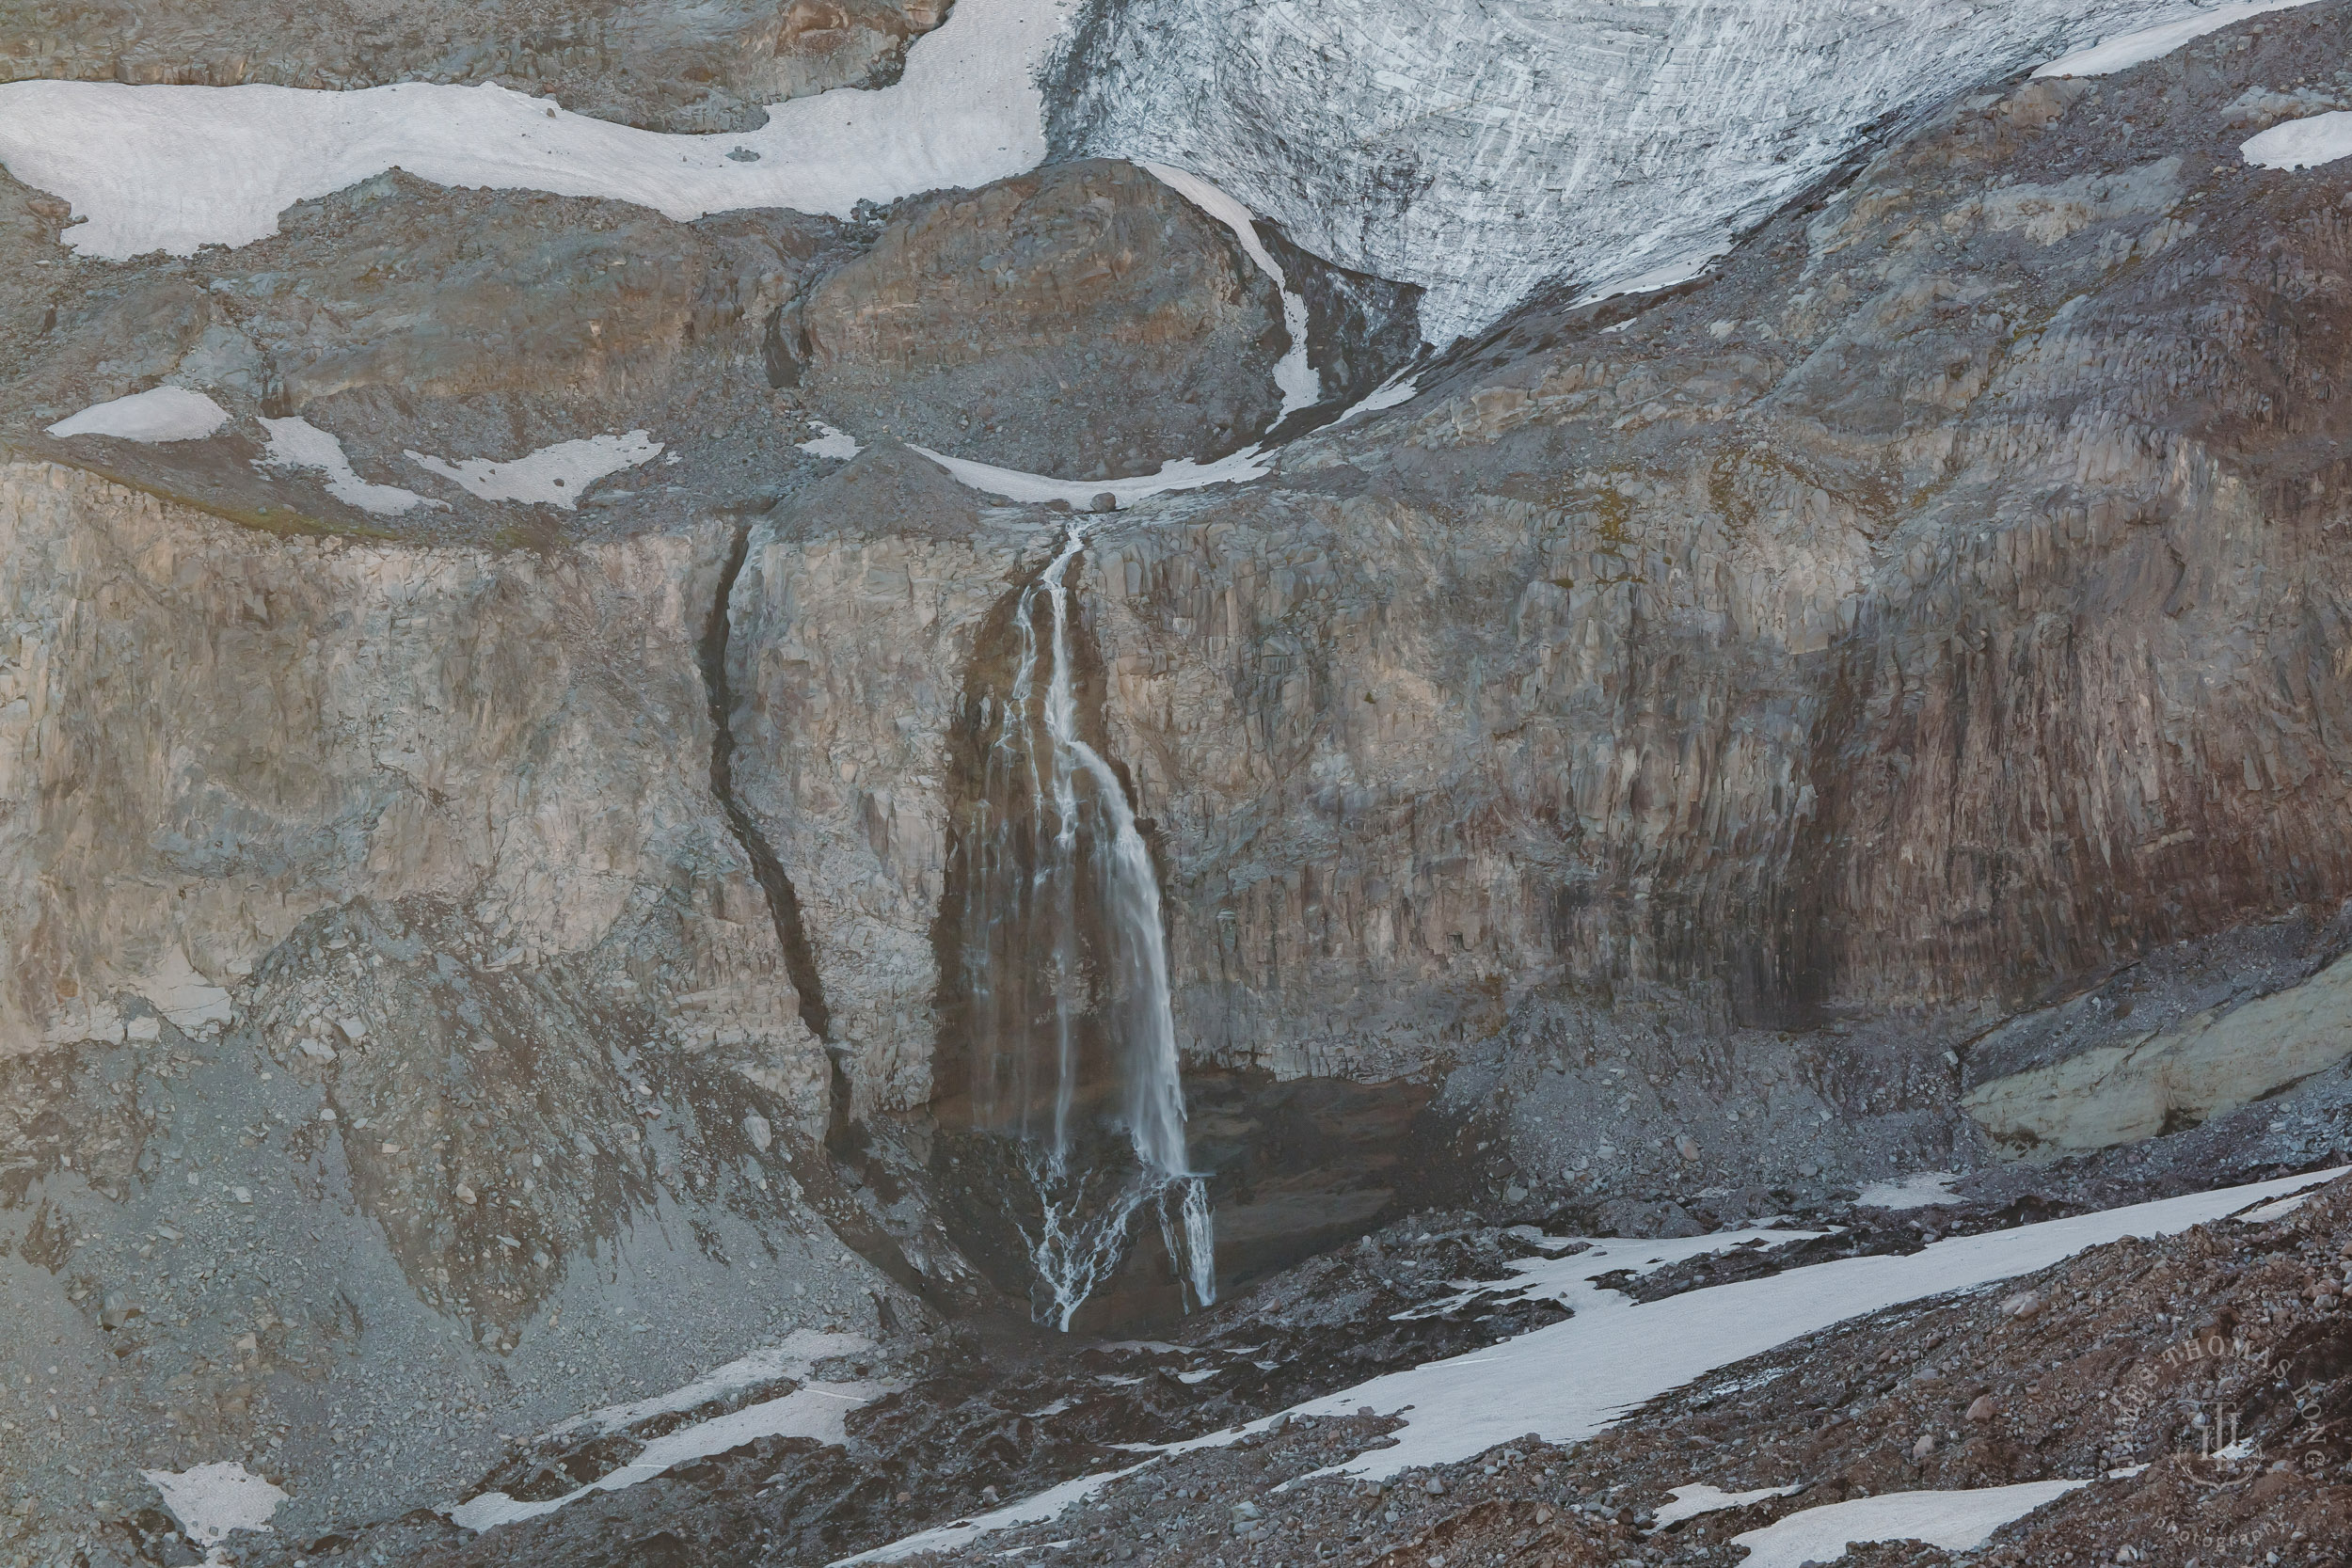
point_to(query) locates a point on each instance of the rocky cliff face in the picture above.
(385, 979)
(1878, 705)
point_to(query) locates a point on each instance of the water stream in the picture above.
(1065, 964)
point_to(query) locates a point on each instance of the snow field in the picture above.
(1568, 1381)
(2301, 143)
(174, 167)
(296, 443)
(1955, 1521)
(552, 476)
(2126, 50)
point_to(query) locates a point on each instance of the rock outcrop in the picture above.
(700, 68)
(1084, 322)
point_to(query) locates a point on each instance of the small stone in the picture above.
(1687, 1147)
(1809, 1170)
(1434, 1486)
(756, 1129)
(464, 1193)
(1924, 1447)
(1984, 1409)
(243, 1195)
(2024, 1304)
(354, 1029)
(389, 1148)
(1103, 502)
(318, 1051)
(116, 1310)
(1514, 1194)
(326, 1113)
(988, 1494)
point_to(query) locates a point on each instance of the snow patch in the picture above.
(174, 167)
(2127, 50)
(212, 1500)
(1182, 474)
(1690, 1501)
(1955, 1521)
(831, 442)
(1930, 1189)
(552, 476)
(814, 1410)
(160, 414)
(2301, 143)
(800, 1350)
(1301, 387)
(1047, 1505)
(296, 443)
(1399, 388)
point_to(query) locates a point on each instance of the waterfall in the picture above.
(1065, 966)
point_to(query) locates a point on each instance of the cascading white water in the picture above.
(1030, 874)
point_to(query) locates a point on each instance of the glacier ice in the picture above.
(1485, 148)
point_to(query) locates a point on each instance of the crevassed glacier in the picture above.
(1483, 148)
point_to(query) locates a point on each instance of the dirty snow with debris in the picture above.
(212, 1500)
(552, 476)
(161, 413)
(174, 167)
(793, 1357)
(2140, 46)
(2301, 143)
(1955, 1521)
(814, 1410)
(296, 443)
(1045, 1507)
